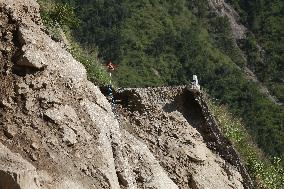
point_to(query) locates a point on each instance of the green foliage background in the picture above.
(265, 20)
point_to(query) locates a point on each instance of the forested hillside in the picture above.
(265, 20)
(159, 43)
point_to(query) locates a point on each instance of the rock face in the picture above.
(58, 131)
(15, 172)
(178, 128)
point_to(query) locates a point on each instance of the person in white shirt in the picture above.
(195, 85)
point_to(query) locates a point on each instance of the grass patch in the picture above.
(96, 72)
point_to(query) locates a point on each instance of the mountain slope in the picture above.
(265, 41)
(240, 33)
(163, 43)
(57, 130)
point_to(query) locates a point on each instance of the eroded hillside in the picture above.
(179, 129)
(57, 130)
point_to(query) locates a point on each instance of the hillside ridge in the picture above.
(224, 9)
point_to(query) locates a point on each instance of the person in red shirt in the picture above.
(110, 66)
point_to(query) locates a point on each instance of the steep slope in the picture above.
(158, 43)
(57, 130)
(239, 31)
(224, 9)
(265, 40)
(178, 128)
(53, 116)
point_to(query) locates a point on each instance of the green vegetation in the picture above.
(58, 16)
(264, 173)
(96, 72)
(266, 21)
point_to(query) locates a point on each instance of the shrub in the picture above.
(96, 72)
(59, 14)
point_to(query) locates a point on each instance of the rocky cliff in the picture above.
(57, 130)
